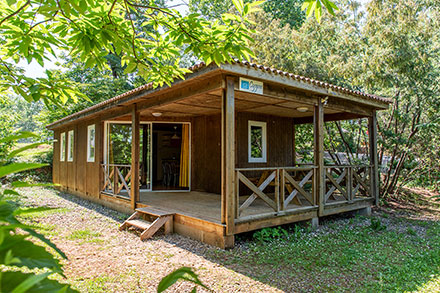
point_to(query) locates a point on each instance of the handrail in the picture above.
(277, 168)
(115, 165)
(347, 166)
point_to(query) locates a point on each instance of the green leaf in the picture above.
(29, 282)
(18, 167)
(11, 280)
(47, 241)
(183, 273)
(20, 135)
(22, 149)
(26, 211)
(18, 184)
(29, 254)
(238, 5)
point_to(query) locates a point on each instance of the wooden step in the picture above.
(155, 226)
(135, 215)
(154, 212)
(138, 223)
(163, 219)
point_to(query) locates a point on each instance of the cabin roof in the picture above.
(244, 68)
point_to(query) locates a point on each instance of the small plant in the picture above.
(83, 234)
(268, 234)
(376, 225)
(411, 231)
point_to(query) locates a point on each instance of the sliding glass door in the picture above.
(118, 154)
(164, 157)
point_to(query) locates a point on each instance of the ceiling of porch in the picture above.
(210, 104)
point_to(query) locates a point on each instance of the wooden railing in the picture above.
(117, 178)
(346, 183)
(281, 189)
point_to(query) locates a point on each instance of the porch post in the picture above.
(294, 144)
(134, 188)
(228, 156)
(374, 162)
(318, 135)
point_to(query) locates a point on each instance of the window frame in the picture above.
(263, 126)
(62, 146)
(70, 145)
(90, 156)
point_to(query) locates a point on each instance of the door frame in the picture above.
(151, 123)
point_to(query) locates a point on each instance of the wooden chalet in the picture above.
(214, 155)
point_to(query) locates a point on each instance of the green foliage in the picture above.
(315, 6)
(185, 274)
(389, 261)
(376, 225)
(286, 12)
(270, 234)
(92, 30)
(391, 49)
(16, 251)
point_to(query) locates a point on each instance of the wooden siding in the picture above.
(56, 158)
(78, 175)
(279, 140)
(205, 154)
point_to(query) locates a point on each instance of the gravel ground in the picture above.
(102, 258)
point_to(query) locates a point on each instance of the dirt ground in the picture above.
(102, 258)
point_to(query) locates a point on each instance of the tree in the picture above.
(285, 11)
(390, 51)
(31, 30)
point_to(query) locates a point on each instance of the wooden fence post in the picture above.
(134, 189)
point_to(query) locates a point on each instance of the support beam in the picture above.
(294, 144)
(374, 161)
(329, 117)
(228, 156)
(134, 189)
(318, 134)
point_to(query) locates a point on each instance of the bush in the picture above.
(376, 225)
(269, 234)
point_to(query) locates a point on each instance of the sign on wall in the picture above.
(252, 86)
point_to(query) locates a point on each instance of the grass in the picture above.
(398, 249)
(86, 235)
(355, 257)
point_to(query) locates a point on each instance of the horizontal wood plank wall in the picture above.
(279, 140)
(56, 158)
(206, 154)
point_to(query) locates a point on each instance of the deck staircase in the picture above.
(161, 218)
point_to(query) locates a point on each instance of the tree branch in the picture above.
(16, 12)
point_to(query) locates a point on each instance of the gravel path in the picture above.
(101, 258)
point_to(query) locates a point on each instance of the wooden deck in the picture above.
(200, 205)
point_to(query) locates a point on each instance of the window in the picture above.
(257, 142)
(91, 143)
(63, 147)
(70, 145)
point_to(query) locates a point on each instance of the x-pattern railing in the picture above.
(288, 186)
(116, 178)
(345, 183)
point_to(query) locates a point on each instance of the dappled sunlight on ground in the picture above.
(397, 249)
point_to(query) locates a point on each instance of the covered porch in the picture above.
(229, 191)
